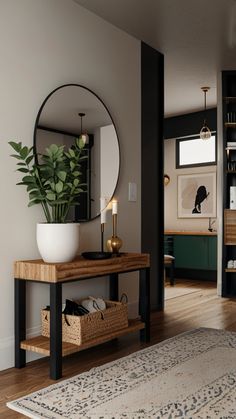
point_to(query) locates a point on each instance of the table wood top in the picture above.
(80, 268)
(190, 233)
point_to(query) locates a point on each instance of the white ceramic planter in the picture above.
(58, 242)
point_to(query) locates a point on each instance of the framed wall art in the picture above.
(197, 195)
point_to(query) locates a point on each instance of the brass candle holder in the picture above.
(114, 243)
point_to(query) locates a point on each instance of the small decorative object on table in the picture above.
(96, 255)
(101, 254)
(114, 243)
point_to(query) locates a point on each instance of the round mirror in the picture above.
(66, 113)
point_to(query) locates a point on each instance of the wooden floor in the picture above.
(199, 309)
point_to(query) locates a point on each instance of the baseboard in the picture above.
(199, 274)
(7, 349)
(7, 344)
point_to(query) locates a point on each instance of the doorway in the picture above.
(190, 224)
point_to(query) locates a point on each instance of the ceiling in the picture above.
(61, 111)
(197, 38)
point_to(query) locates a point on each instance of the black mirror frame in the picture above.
(36, 127)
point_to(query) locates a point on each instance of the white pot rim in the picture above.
(57, 224)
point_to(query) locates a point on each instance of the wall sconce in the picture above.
(166, 179)
(205, 132)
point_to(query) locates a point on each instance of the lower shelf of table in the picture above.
(41, 344)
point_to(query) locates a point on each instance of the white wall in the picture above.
(172, 222)
(45, 44)
(109, 160)
(45, 138)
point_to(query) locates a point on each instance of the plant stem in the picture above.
(45, 212)
(67, 209)
(60, 211)
(53, 214)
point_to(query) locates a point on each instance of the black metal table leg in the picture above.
(20, 325)
(144, 303)
(114, 287)
(55, 331)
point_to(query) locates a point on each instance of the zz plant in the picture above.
(55, 182)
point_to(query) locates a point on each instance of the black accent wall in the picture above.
(152, 118)
(189, 124)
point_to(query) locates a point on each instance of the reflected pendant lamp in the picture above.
(83, 136)
(205, 132)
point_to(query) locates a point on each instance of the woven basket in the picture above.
(81, 329)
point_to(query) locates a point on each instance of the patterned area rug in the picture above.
(192, 375)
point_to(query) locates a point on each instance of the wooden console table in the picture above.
(60, 273)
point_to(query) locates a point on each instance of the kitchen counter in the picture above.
(189, 233)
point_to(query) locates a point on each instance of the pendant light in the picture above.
(205, 132)
(83, 136)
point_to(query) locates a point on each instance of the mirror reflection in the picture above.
(68, 112)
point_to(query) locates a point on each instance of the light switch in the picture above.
(132, 192)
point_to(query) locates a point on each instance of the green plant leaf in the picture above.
(15, 146)
(35, 194)
(52, 185)
(72, 165)
(24, 152)
(76, 182)
(62, 175)
(29, 159)
(28, 179)
(71, 152)
(34, 202)
(53, 148)
(81, 143)
(59, 186)
(51, 196)
(76, 173)
(67, 154)
(16, 156)
(21, 169)
(32, 187)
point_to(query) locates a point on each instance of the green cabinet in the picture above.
(212, 248)
(195, 252)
